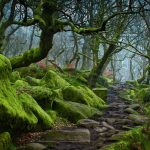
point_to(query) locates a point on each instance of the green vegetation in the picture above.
(35, 105)
(18, 109)
(133, 139)
(94, 45)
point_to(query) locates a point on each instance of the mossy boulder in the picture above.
(53, 114)
(133, 139)
(53, 80)
(33, 70)
(104, 81)
(33, 81)
(74, 111)
(18, 110)
(128, 95)
(5, 141)
(82, 94)
(14, 76)
(133, 82)
(42, 95)
(101, 92)
(20, 83)
(144, 95)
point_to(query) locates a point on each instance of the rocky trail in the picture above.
(94, 133)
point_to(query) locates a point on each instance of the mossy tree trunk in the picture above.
(4, 24)
(86, 62)
(48, 30)
(122, 23)
(94, 44)
(97, 71)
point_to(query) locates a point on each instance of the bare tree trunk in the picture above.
(86, 63)
(131, 67)
(32, 36)
(148, 74)
(113, 66)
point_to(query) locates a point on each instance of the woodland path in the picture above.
(98, 131)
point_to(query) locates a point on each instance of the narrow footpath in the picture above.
(94, 133)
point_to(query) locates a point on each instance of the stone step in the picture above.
(73, 135)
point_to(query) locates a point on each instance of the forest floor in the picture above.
(90, 134)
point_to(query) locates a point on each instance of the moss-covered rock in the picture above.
(18, 110)
(128, 95)
(53, 114)
(104, 81)
(15, 76)
(33, 81)
(53, 80)
(5, 141)
(82, 94)
(143, 95)
(133, 139)
(41, 94)
(101, 92)
(33, 71)
(133, 82)
(37, 117)
(20, 83)
(74, 111)
(138, 119)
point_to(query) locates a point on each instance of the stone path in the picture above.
(94, 133)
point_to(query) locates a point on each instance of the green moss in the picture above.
(15, 76)
(53, 80)
(101, 92)
(41, 94)
(143, 95)
(53, 114)
(20, 83)
(128, 95)
(33, 71)
(25, 58)
(5, 141)
(122, 145)
(133, 82)
(75, 78)
(18, 110)
(133, 139)
(33, 81)
(74, 111)
(37, 116)
(82, 94)
(104, 81)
